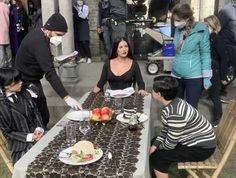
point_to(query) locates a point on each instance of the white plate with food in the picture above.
(142, 117)
(78, 115)
(85, 156)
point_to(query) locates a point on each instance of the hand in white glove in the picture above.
(73, 103)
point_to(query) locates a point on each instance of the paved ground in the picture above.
(88, 77)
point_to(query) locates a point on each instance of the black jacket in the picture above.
(19, 119)
(34, 60)
(219, 60)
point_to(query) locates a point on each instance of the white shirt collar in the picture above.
(9, 93)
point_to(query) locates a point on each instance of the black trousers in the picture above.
(230, 53)
(84, 49)
(40, 101)
(161, 160)
(215, 96)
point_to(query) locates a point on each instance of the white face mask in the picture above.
(56, 40)
(180, 24)
(79, 3)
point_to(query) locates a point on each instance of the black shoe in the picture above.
(225, 99)
(214, 124)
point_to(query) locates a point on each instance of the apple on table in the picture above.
(101, 114)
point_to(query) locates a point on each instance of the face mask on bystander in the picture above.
(180, 24)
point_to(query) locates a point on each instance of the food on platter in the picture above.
(101, 114)
(128, 111)
(84, 151)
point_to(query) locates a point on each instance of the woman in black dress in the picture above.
(121, 70)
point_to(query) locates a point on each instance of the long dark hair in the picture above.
(7, 76)
(115, 47)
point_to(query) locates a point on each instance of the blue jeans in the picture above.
(118, 31)
(190, 90)
(107, 39)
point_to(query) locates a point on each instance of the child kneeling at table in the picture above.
(186, 134)
(20, 120)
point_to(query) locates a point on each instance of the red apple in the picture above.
(96, 111)
(105, 117)
(105, 110)
(96, 117)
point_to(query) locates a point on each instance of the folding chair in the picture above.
(226, 138)
(4, 152)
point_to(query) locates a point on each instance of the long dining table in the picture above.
(130, 149)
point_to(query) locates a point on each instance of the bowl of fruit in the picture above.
(102, 115)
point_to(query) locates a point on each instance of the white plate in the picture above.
(72, 162)
(143, 117)
(76, 115)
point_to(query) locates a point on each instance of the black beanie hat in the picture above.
(56, 23)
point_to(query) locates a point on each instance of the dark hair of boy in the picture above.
(166, 85)
(7, 76)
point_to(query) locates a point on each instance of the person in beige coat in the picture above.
(5, 50)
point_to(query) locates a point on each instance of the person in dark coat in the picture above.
(227, 18)
(35, 16)
(18, 25)
(81, 30)
(218, 65)
(34, 61)
(103, 24)
(20, 120)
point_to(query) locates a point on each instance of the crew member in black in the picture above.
(103, 24)
(34, 60)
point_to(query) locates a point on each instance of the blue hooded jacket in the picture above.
(193, 60)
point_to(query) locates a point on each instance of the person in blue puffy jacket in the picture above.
(192, 63)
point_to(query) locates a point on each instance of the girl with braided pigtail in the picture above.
(20, 120)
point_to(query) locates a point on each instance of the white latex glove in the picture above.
(73, 103)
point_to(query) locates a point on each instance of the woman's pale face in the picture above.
(123, 49)
(14, 86)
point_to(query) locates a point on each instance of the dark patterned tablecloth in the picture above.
(112, 137)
